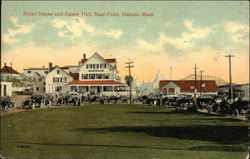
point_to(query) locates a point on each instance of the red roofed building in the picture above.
(187, 87)
(93, 75)
(97, 75)
(74, 75)
(7, 69)
(8, 72)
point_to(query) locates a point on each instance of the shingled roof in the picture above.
(7, 69)
(74, 75)
(108, 60)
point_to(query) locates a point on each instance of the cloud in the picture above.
(185, 41)
(74, 28)
(114, 33)
(237, 32)
(10, 36)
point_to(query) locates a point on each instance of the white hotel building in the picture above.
(94, 75)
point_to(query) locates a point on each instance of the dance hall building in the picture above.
(187, 87)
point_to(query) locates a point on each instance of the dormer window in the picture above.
(58, 71)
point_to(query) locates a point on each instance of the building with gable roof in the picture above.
(97, 75)
(187, 87)
(8, 72)
(93, 75)
(56, 80)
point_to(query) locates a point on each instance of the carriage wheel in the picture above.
(236, 113)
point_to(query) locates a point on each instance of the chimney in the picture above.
(50, 66)
(84, 56)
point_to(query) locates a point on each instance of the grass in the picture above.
(121, 132)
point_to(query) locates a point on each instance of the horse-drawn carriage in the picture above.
(37, 100)
(6, 104)
(233, 107)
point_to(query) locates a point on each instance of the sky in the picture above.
(176, 34)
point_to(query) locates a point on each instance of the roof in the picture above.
(64, 67)
(111, 60)
(108, 60)
(36, 69)
(7, 69)
(37, 74)
(185, 85)
(74, 75)
(96, 82)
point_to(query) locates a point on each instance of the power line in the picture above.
(130, 84)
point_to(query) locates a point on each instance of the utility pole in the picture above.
(11, 72)
(130, 85)
(171, 73)
(201, 84)
(230, 76)
(195, 74)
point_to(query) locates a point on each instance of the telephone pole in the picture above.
(195, 74)
(230, 76)
(130, 85)
(171, 73)
(11, 67)
(201, 84)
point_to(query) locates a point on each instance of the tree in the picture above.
(129, 80)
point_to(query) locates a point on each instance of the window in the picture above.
(100, 66)
(63, 79)
(104, 65)
(73, 88)
(4, 90)
(58, 71)
(44, 89)
(91, 76)
(99, 76)
(107, 88)
(45, 72)
(28, 71)
(87, 65)
(97, 66)
(94, 66)
(106, 76)
(55, 79)
(37, 88)
(85, 76)
(58, 88)
(90, 65)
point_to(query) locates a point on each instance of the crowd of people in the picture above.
(216, 104)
